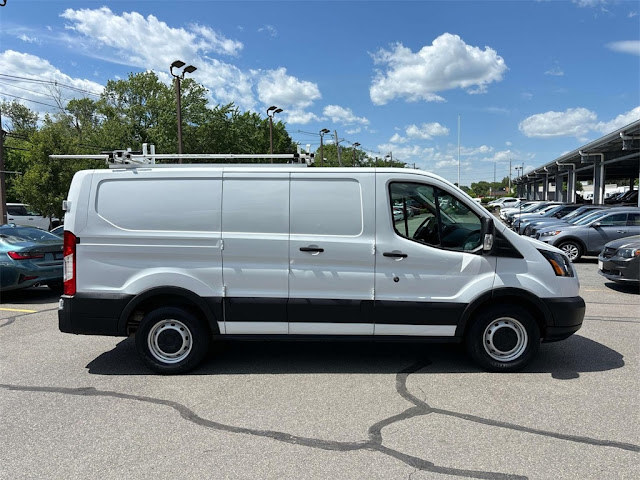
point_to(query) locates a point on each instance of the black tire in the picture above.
(572, 249)
(172, 340)
(503, 339)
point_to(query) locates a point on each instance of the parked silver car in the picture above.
(588, 238)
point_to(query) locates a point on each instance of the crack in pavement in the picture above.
(374, 443)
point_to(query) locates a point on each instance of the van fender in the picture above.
(211, 308)
(539, 309)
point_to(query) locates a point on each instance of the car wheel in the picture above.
(503, 339)
(572, 249)
(172, 340)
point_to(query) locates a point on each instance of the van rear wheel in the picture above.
(503, 339)
(172, 340)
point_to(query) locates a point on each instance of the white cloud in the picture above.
(269, 30)
(152, 44)
(619, 122)
(632, 14)
(471, 151)
(397, 138)
(27, 39)
(342, 115)
(426, 131)
(31, 66)
(589, 3)
(555, 72)
(217, 42)
(300, 117)
(275, 87)
(446, 64)
(574, 122)
(628, 46)
(353, 131)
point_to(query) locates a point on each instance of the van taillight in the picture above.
(69, 271)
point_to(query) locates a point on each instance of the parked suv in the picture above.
(22, 214)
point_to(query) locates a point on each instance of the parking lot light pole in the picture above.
(178, 64)
(322, 132)
(355, 147)
(271, 111)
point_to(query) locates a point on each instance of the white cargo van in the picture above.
(180, 255)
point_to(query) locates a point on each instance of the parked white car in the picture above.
(22, 214)
(504, 202)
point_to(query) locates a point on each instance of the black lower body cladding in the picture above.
(567, 316)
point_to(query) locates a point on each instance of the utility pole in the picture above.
(3, 190)
(355, 147)
(322, 132)
(509, 175)
(335, 132)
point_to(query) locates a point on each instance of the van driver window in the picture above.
(428, 215)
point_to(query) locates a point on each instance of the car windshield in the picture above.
(576, 213)
(588, 217)
(29, 234)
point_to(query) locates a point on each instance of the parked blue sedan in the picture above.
(29, 256)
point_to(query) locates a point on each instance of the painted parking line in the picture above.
(17, 310)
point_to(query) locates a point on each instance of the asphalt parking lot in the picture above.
(86, 407)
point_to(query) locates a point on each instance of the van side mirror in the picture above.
(488, 232)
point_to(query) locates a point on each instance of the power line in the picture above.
(50, 82)
(29, 100)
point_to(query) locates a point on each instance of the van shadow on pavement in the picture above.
(29, 296)
(563, 360)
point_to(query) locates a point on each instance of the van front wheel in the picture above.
(172, 340)
(503, 339)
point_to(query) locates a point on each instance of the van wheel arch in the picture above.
(156, 298)
(508, 296)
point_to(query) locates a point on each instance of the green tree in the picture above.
(45, 182)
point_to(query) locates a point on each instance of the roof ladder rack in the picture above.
(129, 159)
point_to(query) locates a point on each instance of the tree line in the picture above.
(130, 112)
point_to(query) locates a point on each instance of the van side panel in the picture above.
(255, 224)
(151, 230)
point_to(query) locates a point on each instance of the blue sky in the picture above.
(529, 80)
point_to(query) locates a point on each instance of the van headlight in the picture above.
(560, 263)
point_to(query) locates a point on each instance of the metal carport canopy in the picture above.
(620, 152)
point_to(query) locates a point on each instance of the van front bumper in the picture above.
(567, 316)
(92, 315)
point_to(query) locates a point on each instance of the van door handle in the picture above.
(395, 254)
(312, 249)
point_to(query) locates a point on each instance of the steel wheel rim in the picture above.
(171, 327)
(513, 326)
(571, 250)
